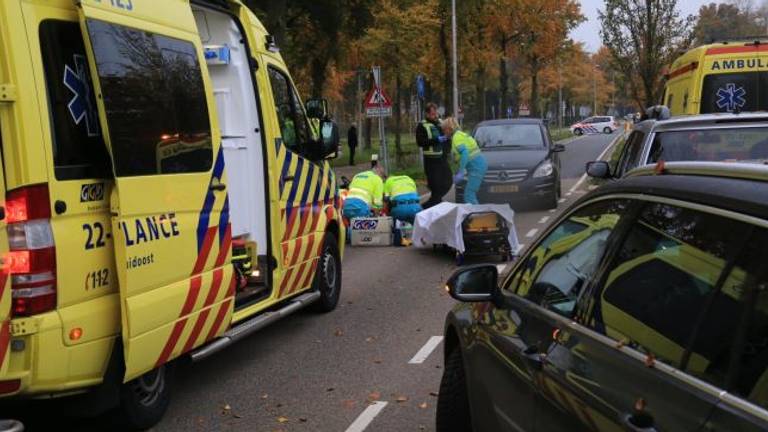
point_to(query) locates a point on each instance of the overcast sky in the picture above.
(589, 31)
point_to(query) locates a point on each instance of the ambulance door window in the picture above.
(78, 146)
(155, 101)
(290, 114)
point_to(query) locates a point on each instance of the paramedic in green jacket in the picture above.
(403, 197)
(469, 157)
(366, 194)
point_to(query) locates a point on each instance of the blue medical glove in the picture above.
(458, 178)
(442, 138)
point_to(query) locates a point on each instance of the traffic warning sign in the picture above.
(377, 103)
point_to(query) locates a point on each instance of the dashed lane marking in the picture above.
(520, 248)
(553, 210)
(501, 268)
(544, 220)
(366, 417)
(602, 155)
(561, 200)
(426, 350)
(532, 232)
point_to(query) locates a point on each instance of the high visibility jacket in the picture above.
(433, 148)
(399, 185)
(369, 187)
(464, 148)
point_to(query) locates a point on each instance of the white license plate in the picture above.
(504, 188)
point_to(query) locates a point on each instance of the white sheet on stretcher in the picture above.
(441, 224)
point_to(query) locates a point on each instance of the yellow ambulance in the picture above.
(720, 77)
(165, 195)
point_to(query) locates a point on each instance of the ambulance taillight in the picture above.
(32, 258)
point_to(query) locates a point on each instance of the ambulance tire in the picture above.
(144, 400)
(578, 132)
(328, 276)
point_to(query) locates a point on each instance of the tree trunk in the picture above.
(444, 49)
(319, 66)
(534, 103)
(503, 81)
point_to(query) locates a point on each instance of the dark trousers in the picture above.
(439, 180)
(352, 155)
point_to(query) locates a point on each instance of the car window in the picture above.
(631, 154)
(740, 144)
(558, 269)
(734, 334)
(510, 135)
(290, 114)
(662, 278)
(155, 102)
(78, 146)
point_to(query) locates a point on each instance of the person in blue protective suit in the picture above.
(469, 157)
(366, 194)
(403, 197)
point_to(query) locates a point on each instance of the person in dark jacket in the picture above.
(436, 148)
(352, 143)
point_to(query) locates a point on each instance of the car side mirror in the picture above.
(558, 148)
(599, 169)
(317, 109)
(478, 283)
(329, 139)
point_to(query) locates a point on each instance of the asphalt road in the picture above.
(356, 368)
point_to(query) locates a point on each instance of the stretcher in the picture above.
(468, 230)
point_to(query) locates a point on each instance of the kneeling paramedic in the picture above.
(467, 153)
(403, 198)
(366, 194)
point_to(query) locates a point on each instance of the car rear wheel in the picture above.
(578, 132)
(328, 275)
(144, 400)
(453, 401)
(607, 130)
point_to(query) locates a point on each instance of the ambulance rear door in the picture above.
(170, 217)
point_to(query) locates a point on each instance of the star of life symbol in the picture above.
(80, 106)
(731, 97)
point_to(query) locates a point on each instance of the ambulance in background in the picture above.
(164, 194)
(720, 77)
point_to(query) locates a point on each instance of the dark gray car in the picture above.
(643, 307)
(523, 162)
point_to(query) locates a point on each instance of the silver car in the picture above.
(721, 137)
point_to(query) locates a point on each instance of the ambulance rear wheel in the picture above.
(144, 400)
(328, 275)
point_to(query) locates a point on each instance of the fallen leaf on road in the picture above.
(423, 405)
(349, 302)
(338, 332)
(237, 416)
(348, 403)
(264, 396)
(374, 396)
(401, 399)
(303, 419)
(370, 339)
(377, 361)
(330, 389)
(282, 419)
(225, 410)
(435, 394)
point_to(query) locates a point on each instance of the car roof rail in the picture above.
(736, 170)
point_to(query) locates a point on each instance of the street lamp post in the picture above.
(594, 90)
(455, 62)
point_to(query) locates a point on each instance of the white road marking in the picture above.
(426, 350)
(544, 220)
(366, 417)
(561, 200)
(553, 210)
(569, 194)
(501, 268)
(532, 232)
(602, 155)
(520, 248)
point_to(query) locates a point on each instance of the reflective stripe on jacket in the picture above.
(399, 185)
(369, 187)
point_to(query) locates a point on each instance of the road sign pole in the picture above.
(382, 132)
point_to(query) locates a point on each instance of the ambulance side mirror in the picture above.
(317, 109)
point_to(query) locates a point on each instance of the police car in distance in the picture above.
(720, 137)
(595, 125)
(643, 307)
